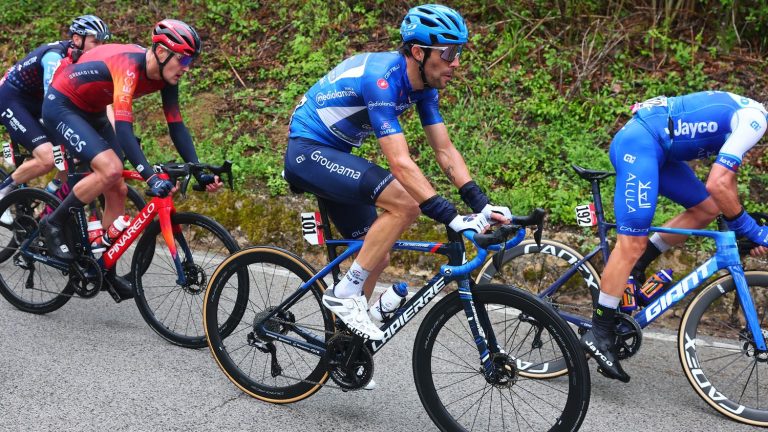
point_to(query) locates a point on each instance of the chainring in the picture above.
(629, 336)
(86, 276)
(360, 371)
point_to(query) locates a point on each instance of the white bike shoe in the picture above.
(6, 218)
(353, 312)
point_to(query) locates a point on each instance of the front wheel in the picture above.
(172, 310)
(718, 354)
(450, 378)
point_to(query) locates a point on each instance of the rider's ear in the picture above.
(417, 53)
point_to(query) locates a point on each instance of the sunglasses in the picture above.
(184, 60)
(449, 53)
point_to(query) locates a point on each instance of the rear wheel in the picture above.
(28, 284)
(264, 367)
(535, 268)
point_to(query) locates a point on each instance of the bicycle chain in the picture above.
(328, 336)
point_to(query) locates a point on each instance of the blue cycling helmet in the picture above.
(433, 24)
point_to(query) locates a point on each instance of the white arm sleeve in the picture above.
(747, 127)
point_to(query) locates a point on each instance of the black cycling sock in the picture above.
(650, 254)
(603, 321)
(71, 202)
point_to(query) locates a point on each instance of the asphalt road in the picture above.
(95, 365)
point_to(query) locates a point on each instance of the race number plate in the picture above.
(585, 215)
(8, 154)
(310, 228)
(58, 158)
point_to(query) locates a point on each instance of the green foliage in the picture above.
(543, 84)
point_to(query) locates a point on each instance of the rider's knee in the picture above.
(632, 247)
(706, 211)
(112, 173)
(411, 210)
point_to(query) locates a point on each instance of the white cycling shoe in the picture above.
(6, 218)
(353, 312)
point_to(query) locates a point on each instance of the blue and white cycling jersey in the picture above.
(651, 150)
(363, 95)
(705, 124)
(21, 93)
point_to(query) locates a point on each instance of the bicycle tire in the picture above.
(176, 312)
(29, 285)
(525, 313)
(274, 274)
(713, 336)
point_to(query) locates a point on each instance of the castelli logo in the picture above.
(382, 83)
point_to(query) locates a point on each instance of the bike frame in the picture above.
(457, 270)
(161, 207)
(726, 258)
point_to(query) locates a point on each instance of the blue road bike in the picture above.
(721, 338)
(476, 355)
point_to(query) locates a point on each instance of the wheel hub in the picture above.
(196, 278)
(748, 347)
(505, 371)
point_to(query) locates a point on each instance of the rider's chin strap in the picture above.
(161, 63)
(76, 51)
(427, 52)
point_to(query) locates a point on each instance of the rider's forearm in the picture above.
(127, 140)
(449, 159)
(182, 140)
(452, 163)
(413, 180)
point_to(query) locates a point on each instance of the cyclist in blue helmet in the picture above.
(21, 97)
(363, 96)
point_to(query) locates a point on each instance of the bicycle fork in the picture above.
(170, 232)
(750, 313)
(473, 317)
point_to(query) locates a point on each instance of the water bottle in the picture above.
(53, 186)
(628, 302)
(654, 286)
(390, 301)
(115, 229)
(95, 231)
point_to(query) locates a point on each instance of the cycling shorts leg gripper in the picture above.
(352, 221)
(678, 182)
(636, 155)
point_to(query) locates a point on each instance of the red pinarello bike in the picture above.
(169, 274)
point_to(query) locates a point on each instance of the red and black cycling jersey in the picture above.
(117, 74)
(114, 74)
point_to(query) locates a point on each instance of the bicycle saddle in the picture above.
(588, 174)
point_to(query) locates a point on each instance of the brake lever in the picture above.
(185, 185)
(224, 170)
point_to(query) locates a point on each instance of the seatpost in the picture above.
(602, 226)
(326, 227)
